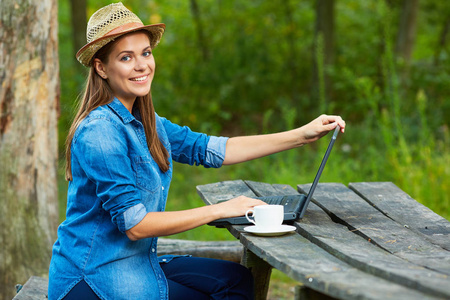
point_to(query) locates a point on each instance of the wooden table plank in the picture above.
(225, 190)
(264, 189)
(288, 264)
(304, 261)
(338, 240)
(398, 205)
(351, 210)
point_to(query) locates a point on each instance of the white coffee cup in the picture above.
(266, 216)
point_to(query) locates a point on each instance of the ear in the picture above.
(100, 68)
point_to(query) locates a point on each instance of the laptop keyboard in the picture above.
(281, 200)
(273, 199)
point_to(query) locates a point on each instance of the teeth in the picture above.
(139, 78)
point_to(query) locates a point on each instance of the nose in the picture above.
(140, 65)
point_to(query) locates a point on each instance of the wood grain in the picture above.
(347, 208)
(304, 261)
(343, 243)
(396, 204)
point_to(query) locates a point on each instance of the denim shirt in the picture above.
(115, 184)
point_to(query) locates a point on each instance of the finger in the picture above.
(331, 126)
(333, 121)
(342, 124)
(260, 202)
(256, 202)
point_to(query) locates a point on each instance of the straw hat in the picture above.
(110, 22)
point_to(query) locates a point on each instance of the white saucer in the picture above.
(282, 229)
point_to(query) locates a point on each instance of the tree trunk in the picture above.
(199, 27)
(407, 30)
(325, 25)
(442, 40)
(29, 96)
(323, 51)
(79, 22)
(78, 14)
(292, 56)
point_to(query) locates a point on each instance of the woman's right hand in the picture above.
(171, 222)
(237, 206)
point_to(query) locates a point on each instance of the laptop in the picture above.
(294, 205)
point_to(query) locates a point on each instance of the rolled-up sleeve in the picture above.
(133, 215)
(215, 151)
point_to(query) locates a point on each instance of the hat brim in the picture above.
(87, 52)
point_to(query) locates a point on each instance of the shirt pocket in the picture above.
(147, 177)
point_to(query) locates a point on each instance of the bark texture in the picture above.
(29, 95)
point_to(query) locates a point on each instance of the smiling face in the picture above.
(129, 67)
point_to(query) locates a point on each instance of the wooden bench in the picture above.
(365, 241)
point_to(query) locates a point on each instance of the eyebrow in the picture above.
(131, 52)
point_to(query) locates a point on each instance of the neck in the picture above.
(128, 103)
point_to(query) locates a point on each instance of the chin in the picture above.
(143, 93)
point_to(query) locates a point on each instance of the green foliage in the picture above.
(251, 73)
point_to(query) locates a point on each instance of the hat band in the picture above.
(125, 27)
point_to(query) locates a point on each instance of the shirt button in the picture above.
(153, 250)
(162, 188)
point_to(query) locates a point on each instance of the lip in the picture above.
(143, 79)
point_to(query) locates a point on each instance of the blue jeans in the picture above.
(194, 278)
(205, 278)
(81, 291)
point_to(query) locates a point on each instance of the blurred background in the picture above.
(228, 67)
(231, 68)
(249, 67)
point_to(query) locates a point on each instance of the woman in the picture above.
(119, 164)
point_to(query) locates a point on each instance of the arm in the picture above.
(238, 149)
(245, 148)
(171, 222)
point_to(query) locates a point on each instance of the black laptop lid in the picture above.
(319, 172)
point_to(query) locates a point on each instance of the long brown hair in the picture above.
(97, 93)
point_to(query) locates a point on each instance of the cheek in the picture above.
(120, 70)
(119, 76)
(152, 63)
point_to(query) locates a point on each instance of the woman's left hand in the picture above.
(319, 127)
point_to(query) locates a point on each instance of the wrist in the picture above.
(298, 138)
(216, 211)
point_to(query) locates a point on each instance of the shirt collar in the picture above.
(121, 111)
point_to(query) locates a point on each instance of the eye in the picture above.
(126, 58)
(147, 53)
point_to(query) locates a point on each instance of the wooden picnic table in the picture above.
(364, 241)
